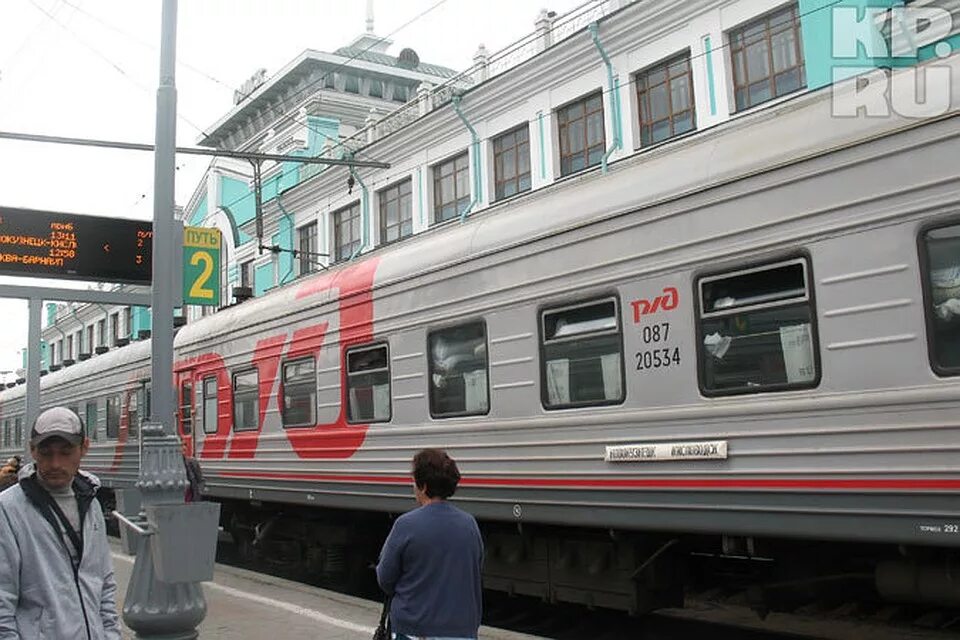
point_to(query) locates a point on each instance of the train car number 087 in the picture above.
(659, 357)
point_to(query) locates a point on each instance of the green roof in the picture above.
(391, 61)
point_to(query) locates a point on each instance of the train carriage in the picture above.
(739, 347)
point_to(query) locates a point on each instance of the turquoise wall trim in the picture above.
(44, 357)
(828, 61)
(233, 274)
(237, 201)
(199, 214)
(711, 87)
(51, 313)
(543, 150)
(142, 320)
(263, 276)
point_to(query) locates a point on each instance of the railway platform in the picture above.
(245, 605)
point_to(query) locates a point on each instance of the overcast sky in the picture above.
(89, 68)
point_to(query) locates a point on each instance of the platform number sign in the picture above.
(201, 266)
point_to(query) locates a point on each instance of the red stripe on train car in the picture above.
(911, 484)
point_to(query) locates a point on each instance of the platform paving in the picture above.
(244, 605)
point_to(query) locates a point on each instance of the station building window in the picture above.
(307, 246)
(113, 417)
(451, 188)
(346, 231)
(246, 274)
(89, 346)
(665, 99)
(582, 355)
(396, 211)
(458, 371)
(941, 277)
(299, 408)
(186, 407)
(246, 400)
(101, 333)
(756, 329)
(211, 406)
(767, 57)
(511, 162)
(114, 328)
(7, 433)
(368, 384)
(582, 138)
(18, 431)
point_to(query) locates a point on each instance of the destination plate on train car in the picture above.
(663, 451)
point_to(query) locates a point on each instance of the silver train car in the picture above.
(734, 354)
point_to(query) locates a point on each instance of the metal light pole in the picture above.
(174, 551)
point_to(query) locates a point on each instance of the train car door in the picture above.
(185, 413)
(143, 403)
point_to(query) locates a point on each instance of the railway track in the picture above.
(717, 616)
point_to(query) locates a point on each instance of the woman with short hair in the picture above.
(432, 561)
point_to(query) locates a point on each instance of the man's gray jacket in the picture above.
(43, 596)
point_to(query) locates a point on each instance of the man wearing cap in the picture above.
(56, 574)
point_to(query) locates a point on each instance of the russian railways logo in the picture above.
(667, 301)
(867, 44)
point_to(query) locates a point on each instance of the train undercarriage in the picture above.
(630, 571)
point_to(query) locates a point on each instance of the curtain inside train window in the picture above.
(942, 248)
(300, 393)
(368, 384)
(113, 416)
(756, 329)
(245, 400)
(582, 351)
(91, 420)
(458, 371)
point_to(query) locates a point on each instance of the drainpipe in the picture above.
(613, 82)
(364, 213)
(73, 312)
(286, 214)
(476, 159)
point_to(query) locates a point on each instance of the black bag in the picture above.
(383, 629)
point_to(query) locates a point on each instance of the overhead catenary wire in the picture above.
(587, 6)
(107, 60)
(583, 8)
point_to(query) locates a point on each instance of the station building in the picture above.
(609, 80)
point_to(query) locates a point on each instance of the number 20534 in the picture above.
(658, 358)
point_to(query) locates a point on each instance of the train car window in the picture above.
(18, 431)
(186, 407)
(941, 247)
(757, 331)
(582, 355)
(458, 371)
(113, 417)
(91, 420)
(299, 408)
(368, 384)
(245, 400)
(133, 412)
(210, 405)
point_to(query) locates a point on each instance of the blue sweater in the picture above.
(431, 563)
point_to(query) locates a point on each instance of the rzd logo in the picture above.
(667, 301)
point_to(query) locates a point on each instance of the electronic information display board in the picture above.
(64, 245)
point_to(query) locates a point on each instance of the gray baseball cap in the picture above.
(58, 422)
